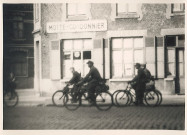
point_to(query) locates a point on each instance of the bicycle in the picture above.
(152, 97)
(103, 99)
(10, 100)
(57, 97)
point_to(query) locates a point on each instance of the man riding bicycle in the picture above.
(93, 78)
(73, 81)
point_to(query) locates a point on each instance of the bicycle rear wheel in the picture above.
(122, 98)
(57, 98)
(160, 97)
(69, 102)
(10, 100)
(104, 101)
(114, 97)
(151, 98)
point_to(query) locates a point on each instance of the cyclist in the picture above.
(93, 78)
(74, 80)
(11, 85)
(140, 80)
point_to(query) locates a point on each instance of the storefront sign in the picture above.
(76, 26)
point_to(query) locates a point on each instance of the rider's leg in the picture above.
(91, 90)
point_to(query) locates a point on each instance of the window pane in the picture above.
(77, 55)
(67, 55)
(82, 8)
(88, 44)
(86, 54)
(117, 70)
(78, 44)
(181, 69)
(72, 7)
(128, 56)
(138, 56)
(138, 42)
(171, 55)
(67, 44)
(151, 68)
(132, 8)
(20, 26)
(20, 34)
(15, 25)
(171, 41)
(181, 56)
(128, 42)
(77, 64)
(181, 40)
(160, 67)
(178, 7)
(121, 8)
(117, 57)
(117, 43)
(171, 69)
(128, 69)
(160, 54)
(66, 68)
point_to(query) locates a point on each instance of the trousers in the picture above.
(140, 89)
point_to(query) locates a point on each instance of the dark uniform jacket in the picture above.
(140, 77)
(76, 78)
(93, 75)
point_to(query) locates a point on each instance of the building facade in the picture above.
(18, 53)
(114, 36)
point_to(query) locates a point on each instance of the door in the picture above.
(180, 74)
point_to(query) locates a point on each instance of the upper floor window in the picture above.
(126, 8)
(178, 8)
(77, 11)
(18, 27)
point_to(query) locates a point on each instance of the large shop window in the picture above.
(77, 10)
(178, 8)
(19, 64)
(76, 53)
(125, 53)
(172, 43)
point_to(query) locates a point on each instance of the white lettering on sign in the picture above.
(76, 26)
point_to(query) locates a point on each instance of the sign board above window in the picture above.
(76, 26)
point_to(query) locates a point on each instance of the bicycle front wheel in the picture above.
(104, 101)
(70, 103)
(57, 98)
(10, 100)
(114, 97)
(122, 98)
(151, 98)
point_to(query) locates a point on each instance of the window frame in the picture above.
(122, 50)
(134, 15)
(175, 49)
(72, 50)
(77, 17)
(170, 13)
(181, 11)
(27, 67)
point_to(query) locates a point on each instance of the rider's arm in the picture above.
(72, 79)
(88, 75)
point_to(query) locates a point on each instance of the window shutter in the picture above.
(160, 57)
(98, 55)
(55, 60)
(150, 54)
(107, 58)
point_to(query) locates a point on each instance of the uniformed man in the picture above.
(74, 80)
(147, 73)
(93, 78)
(140, 84)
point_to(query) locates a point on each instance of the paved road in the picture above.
(163, 117)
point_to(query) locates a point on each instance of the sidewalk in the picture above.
(47, 101)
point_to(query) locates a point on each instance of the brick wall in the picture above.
(154, 19)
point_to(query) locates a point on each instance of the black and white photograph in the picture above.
(93, 66)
